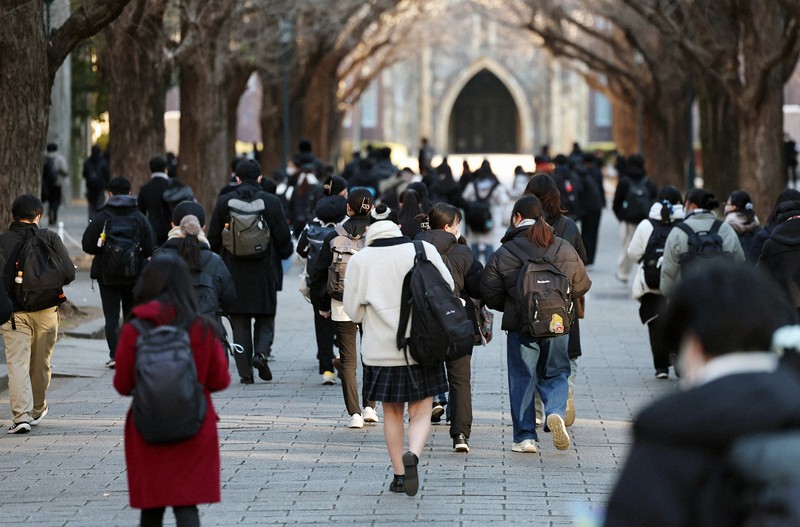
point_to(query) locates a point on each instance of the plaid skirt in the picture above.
(402, 384)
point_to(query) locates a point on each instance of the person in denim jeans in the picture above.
(534, 363)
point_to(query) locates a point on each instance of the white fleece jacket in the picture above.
(373, 284)
(638, 245)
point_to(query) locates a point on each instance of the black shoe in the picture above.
(662, 373)
(437, 412)
(411, 479)
(246, 380)
(460, 443)
(673, 359)
(397, 484)
(260, 363)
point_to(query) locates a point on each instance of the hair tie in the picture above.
(380, 215)
(190, 225)
(668, 204)
(748, 206)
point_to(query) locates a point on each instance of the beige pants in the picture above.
(625, 262)
(28, 351)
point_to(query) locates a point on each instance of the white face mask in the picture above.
(457, 234)
(291, 170)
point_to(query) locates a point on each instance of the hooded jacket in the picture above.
(674, 475)
(678, 243)
(639, 241)
(780, 256)
(747, 231)
(116, 206)
(499, 278)
(634, 174)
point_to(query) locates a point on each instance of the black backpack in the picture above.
(169, 403)
(440, 328)
(653, 252)
(49, 174)
(39, 274)
(121, 262)
(703, 245)
(637, 203)
(315, 235)
(542, 295)
(479, 212)
(175, 193)
(763, 479)
(204, 288)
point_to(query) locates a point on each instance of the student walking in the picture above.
(372, 297)
(121, 239)
(740, 214)
(647, 248)
(185, 473)
(536, 362)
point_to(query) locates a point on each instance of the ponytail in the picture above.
(666, 211)
(540, 233)
(530, 208)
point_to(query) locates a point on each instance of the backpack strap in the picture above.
(685, 228)
(715, 227)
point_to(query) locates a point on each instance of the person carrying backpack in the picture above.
(327, 282)
(373, 297)
(96, 175)
(647, 248)
(700, 236)
(35, 292)
(632, 201)
(445, 234)
(212, 282)
(741, 215)
(331, 209)
(534, 278)
(485, 200)
(248, 229)
(121, 240)
(723, 317)
(164, 471)
(151, 199)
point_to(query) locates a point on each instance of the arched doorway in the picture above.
(484, 117)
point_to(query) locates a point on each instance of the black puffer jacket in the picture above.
(780, 256)
(330, 209)
(499, 278)
(116, 206)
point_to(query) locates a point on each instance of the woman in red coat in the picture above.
(185, 473)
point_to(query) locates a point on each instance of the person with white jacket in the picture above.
(663, 216)
(372, 297)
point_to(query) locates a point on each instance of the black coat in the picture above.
(10, 244)
(674, 473)
(458, 258)
(116, 206)
(151, 203)
(780, 258)
(622, 191)
(257, 281)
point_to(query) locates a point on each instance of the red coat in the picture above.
(176, 474)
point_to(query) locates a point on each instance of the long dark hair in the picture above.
(360, 201)
(190, 246)
(744, 205)
(530, 208)
(166, 279)
(788, 194)
(443, 214)
(410, 208)
(544, 188)
(668, 196)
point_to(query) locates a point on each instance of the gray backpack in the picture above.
(343, 247)
(246, 235)
(169, 403)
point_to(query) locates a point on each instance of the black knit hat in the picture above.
(185, 208)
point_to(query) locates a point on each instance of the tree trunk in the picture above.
(665, 136)
(760, 146)
(719, 137)
(25, 85)
(319, 107)
(239, 79)
(204, 156)
(624, 130)
(133, 61)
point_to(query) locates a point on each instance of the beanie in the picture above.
(186, 208)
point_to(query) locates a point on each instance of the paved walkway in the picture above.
(289, 458)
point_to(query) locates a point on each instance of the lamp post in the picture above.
(690, 168)
(286, 40)
(47, 4)
(638, 60)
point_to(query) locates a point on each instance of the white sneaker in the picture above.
(370, 415)
(559, 430)
(356, 421)
(526, 446)
(328, 378)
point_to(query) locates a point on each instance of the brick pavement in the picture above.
(288, 457)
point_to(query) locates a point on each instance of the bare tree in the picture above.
(29, 59)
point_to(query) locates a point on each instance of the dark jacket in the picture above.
(780, 257)
(674, 472)
(330, 210)
(212, 266)
(318, 274)
(151, 203)
(256, 281)
(116, 206)
(631, 176)
(566, 229)
(458, 258)
(10, 244)
(499, 278)
(570, 187)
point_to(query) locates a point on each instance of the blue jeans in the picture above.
(482, 248)
(536, 364)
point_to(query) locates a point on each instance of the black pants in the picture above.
(112, 298)
(186, 516)
(325, 331)
(459, 408)
(246, 334)
(348, 357)
(651, 307)
(590, 225)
